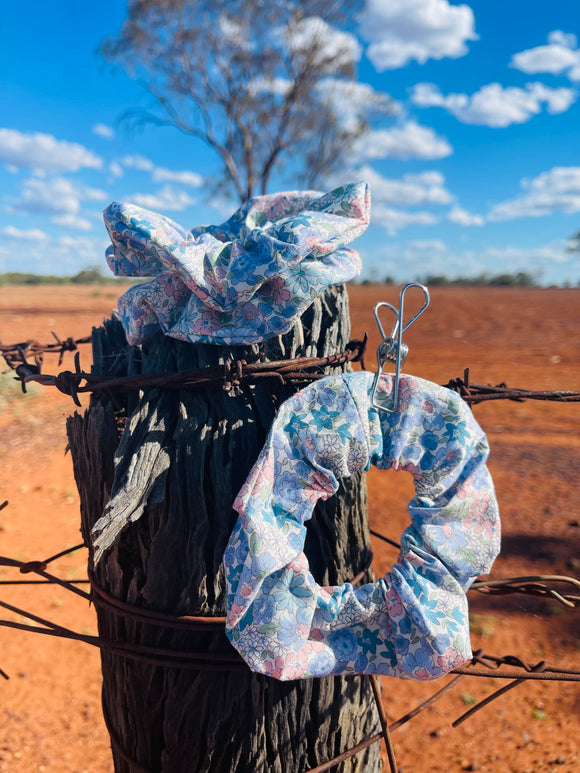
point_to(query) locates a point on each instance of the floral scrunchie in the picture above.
(241, 282)
(414, 621)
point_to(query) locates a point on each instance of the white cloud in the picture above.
(25, 235)
(354, 102)
(116, 169)
(104, 131)
(410, 140)
(400, 31)
(567, 39)
(410, 190)
(521, 259)
(73, 221)
(278, 86)
(335, 48)
(463, 217)
(44, 152)
(427, 245)
(224, 206)
(92, 194)
(141, 163)
(166, 199)
(64, 255)
(233, 30)
(496, 106)
(158, 173)
(57, 197)
(392, 220)
(161, 175)
(405, 260)
(557, 190)
(78, 251)
(560, 56)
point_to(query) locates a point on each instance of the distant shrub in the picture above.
(11, 389)
(436, 280)
(520, 279)
(89, 276)
(18, 278)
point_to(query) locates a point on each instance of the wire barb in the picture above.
(481, 663)
(230, 376)
(561, 589)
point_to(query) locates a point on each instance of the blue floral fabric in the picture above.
(414, 621)
(243, 281)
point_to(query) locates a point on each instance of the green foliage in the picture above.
(520, 279)
(574, 243)
(11, 389)
(482, 624)
(18, 278)
(88, 275)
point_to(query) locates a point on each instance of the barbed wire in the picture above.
(479, 393)
(508, 667)
(536, 585)
(13, 353)
(229, 376)
(232, 374)
(481, 664)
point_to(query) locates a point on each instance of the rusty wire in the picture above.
(479, 393)
(231, 374)
(297, 372)
(537, 585)
(533, 585)
(481, 663)
(13, 353)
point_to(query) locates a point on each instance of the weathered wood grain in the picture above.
(181, 459)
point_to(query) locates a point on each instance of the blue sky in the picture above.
(479, 170)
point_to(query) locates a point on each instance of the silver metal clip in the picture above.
(392, 349)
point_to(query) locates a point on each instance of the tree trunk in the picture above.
(182, 456)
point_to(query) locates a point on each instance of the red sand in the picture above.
(50, 708)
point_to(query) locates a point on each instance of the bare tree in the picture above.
(266, 84)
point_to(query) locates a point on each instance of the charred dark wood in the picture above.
(180, 459)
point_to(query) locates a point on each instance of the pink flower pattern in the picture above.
(256, 273)
(411, 623)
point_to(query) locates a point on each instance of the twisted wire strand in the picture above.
(298, 371)
(536, 585)
(481, 664)
(231, 375)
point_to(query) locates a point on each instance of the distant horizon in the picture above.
(441, 280)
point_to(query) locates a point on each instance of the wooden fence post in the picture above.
(184, 455)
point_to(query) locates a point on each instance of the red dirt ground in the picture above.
(50, 707)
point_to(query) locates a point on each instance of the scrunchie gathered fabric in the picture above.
(243, 281)
(414, 621)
